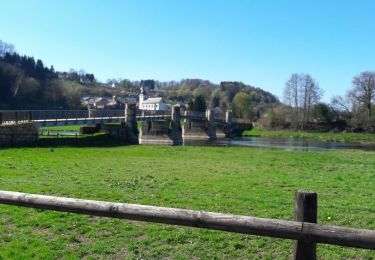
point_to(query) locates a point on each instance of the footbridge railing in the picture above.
(10, 116)
(98, 115)
(21, 116)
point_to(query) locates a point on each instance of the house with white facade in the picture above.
(152, 104)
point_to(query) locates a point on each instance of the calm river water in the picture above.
(285, 143)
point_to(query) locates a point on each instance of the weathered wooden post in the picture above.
(305, 210)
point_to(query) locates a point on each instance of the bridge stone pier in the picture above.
(234, 127)
(199, 125)
(162, 131)
(128, 130)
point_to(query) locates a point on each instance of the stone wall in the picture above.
(18, 134)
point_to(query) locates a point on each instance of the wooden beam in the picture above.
(240, 224)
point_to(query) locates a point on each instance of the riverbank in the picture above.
(321, 136)
(256, 182)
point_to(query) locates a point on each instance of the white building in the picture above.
(152, 104)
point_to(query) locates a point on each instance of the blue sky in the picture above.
(257, 42)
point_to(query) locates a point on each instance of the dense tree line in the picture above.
(26, 83)
(77, 76)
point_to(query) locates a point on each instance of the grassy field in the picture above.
(63, 128)
(322, 136)
(254, 182)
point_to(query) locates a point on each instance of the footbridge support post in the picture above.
(176, 130)
(128, 130)
(131, 123)
(211, 126)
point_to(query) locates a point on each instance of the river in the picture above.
(284, 143)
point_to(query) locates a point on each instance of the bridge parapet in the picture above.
(14, 117)
(58, 114)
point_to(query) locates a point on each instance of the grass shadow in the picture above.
(96, 140)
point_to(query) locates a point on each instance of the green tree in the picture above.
(198, 104)
(201, 91)
(322, 113)
(242, 105)
(126, 85)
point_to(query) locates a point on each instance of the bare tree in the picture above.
(312, 94)
(342, 108)
(6, 48)
(363, 92)
(291, 96)
(301, 93)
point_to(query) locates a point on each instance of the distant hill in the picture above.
(26, 83)
(245, 100)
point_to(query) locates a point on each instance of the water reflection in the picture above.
(285, 143)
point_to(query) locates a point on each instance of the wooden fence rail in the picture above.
(305, 233)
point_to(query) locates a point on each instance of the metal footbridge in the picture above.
(72, 117)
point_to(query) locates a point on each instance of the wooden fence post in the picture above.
(305, 210)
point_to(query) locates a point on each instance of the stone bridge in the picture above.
(170, 127)
(191, 126)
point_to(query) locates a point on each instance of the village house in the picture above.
(95, 102)
(151, 104)
(106, 102)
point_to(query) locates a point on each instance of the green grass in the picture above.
(322, 136)
(255, 182)
(77, 127)
(62, 127)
